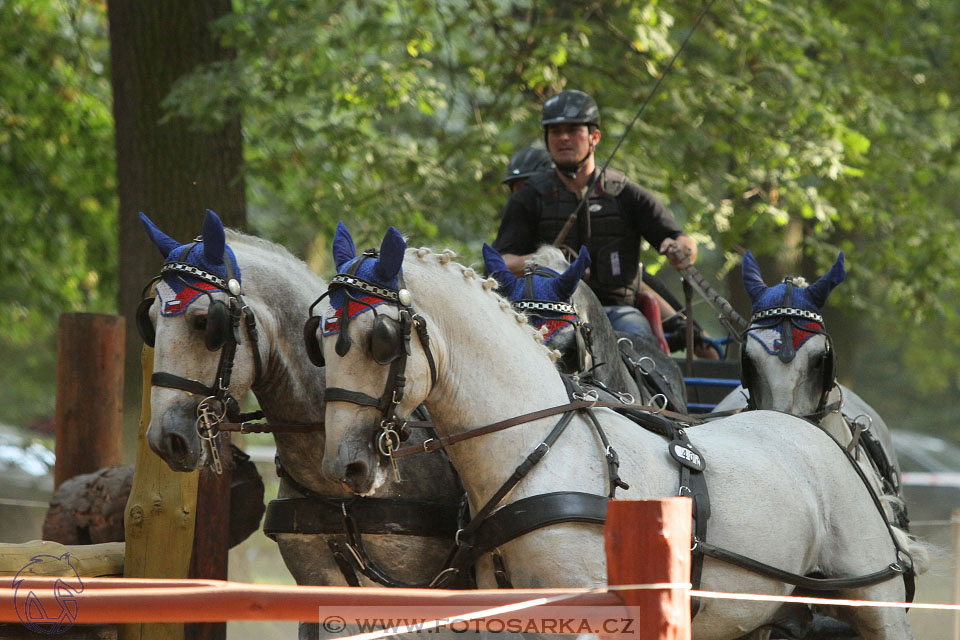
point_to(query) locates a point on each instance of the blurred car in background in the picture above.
(930, 469)
(26, 469)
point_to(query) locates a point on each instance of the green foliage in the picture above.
(58, 211)
(792, 129)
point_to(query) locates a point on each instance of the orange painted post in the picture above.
(89, 428)
(648, 542)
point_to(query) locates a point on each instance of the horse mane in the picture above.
(549, 256)
(486, 287)
(242, 240)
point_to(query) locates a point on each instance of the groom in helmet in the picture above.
(617, 216)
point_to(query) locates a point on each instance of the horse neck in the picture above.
(490, 366)
(280, 290)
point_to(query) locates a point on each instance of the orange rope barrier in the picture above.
(122, 600)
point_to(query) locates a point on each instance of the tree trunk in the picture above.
(169, 170)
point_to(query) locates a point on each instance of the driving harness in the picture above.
(312, 513)
(222, 333)
(491, 526)
(789, 318)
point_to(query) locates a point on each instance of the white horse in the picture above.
(797, 375)
(781, 490)
(551, 278)
(279, 289)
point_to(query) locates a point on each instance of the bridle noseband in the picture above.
(389, 344)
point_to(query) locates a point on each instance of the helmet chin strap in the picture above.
(571, 170)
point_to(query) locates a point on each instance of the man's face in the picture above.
(516, 184)
(570, 143)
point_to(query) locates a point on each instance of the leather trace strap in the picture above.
(435, 444)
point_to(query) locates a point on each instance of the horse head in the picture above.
(370, 342)
(788, 361)
(194, 324)
(546, 293)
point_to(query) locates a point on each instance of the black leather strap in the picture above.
(392, 516)
(529, 514)
(338, 394)
(806, 582)
(170, 381)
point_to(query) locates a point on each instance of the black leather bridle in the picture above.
(788, 318)
(390, 344)
(217, 403)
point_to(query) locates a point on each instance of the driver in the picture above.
(618, 215)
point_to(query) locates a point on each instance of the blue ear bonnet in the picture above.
(368, 272)
(383, 270)
(208, 254)
(773, 297)
(544, 287)
(197, 258)
(558, 288)
(811, 298)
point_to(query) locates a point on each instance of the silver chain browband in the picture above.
(196, 272)
(344, 280)
(791, 312)
(537, 305)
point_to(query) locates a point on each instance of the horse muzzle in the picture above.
(174, 438)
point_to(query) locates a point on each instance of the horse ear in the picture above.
(820, 289)
(568, 280)
(343, 249)
(391, 256)
(752, 280)
(164, 243)
(497, 268)
(214, 239)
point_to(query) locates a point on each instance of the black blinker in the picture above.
(144, 325)
(218, 325)
(310, 341)
(386, 340)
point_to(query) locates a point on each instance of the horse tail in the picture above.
(920, 550)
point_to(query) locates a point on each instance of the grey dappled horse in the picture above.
(620, 362)
(278, 288)
(796, 374)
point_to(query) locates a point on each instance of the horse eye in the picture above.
(199, 322)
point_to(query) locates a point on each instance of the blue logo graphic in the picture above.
(49, 615)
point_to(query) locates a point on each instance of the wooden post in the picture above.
(211, 538)
(89, 413)
(160, 518)
(648, 542)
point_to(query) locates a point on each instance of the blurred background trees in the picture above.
(794, 130)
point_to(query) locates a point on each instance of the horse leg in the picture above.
(878, 623)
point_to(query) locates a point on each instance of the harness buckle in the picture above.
(428, 445)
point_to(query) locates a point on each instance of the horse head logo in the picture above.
(42, 613)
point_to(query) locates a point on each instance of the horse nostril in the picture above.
(355, 474)
(177, 445)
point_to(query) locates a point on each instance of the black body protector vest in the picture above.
(613, 242)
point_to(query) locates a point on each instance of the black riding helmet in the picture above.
(527, 162)
(570, 106)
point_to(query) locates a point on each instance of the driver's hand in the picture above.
(677, 253)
